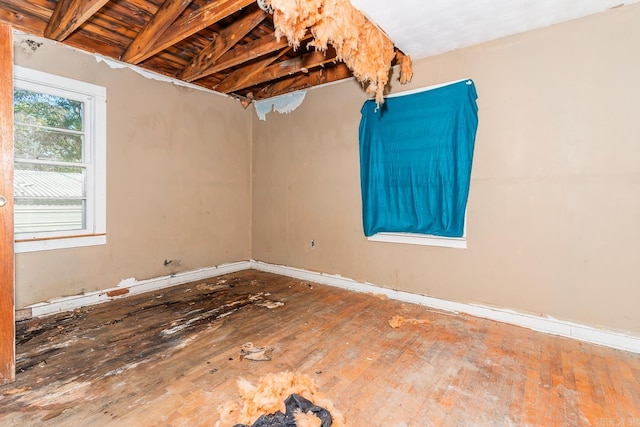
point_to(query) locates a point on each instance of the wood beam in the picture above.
(7, 281)
(164, 17)
(25, 16)
(285, 68)
(69, 15)
(200, 65)
(250, 51)
(238, 77)
(198, 20)
(304, 81)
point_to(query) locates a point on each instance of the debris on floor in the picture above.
(300, 412)
(397, 321)
(283, 392)
(270, 304)
(210, 286)
(306, 419)
(262, 302)
(250, 352)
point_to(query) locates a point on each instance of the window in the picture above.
(416, 152)
(60, 162)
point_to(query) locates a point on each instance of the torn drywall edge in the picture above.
(134, 286)
(283, 104)
(151, 75)
(20, 36)
(547, 324)
(112, 63)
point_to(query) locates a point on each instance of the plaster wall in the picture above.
(554, 208)
(178, 182)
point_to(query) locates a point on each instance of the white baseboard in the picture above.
(537, 323)
(132, 286)
(548, 325)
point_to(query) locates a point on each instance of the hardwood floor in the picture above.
(172, 357)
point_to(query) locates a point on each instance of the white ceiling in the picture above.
(422, 28)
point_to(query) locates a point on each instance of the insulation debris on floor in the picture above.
(397, 321)
(111, 364)
(363, 47)
(277, 397)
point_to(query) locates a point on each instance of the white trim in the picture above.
(40, 78)
(537, 323)
(61, 243)
(424, 239)
(420, 239)
(424, 89)
(547, 324)
(133, 286)
(94, 161)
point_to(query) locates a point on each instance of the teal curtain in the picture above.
(416, 153)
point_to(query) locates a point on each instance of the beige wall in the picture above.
(178, 182)
(554, 209)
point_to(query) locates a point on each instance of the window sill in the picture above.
(420, 239)
(23, 246)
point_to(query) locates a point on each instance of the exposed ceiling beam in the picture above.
(25, 16)
(164, 17)
(200, 65)
(197, 20)
(285, 68)
(250, 51)
(304, 81)
(69, 15)
(236, 79)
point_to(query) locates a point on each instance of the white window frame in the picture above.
(94, 98)
(423, 239)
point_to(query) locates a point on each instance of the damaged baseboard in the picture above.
(537, 323)
(132, 286)
(128, 287)
(23, 314)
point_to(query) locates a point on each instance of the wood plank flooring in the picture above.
(170, 358)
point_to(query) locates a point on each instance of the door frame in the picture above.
(7, 262)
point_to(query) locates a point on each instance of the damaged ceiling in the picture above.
(230, 46)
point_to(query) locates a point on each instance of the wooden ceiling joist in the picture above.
(200, 66)
(238, 78)
(248, 52)
(68, 15)
(228, 46)
(164, 17)
(25, 16)
(304, 81)
(273, 72)
(202, 18)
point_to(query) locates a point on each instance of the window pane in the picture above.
(44, 144)
(49, 198)
(39, 215)
(47, 110)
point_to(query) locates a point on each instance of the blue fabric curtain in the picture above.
(415, 161)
